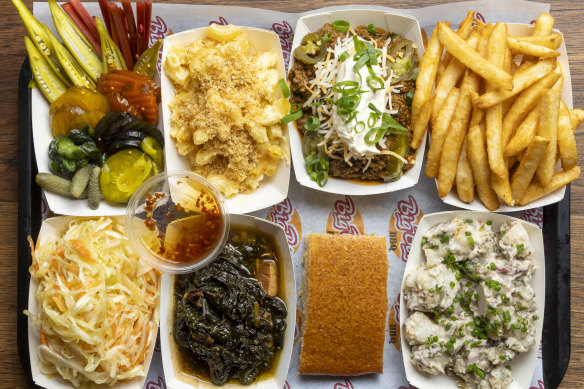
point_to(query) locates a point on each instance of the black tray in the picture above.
(556, 235)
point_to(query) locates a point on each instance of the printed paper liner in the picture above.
(404, 25)
(517, 29)
(523, 364)
(272, 189)
(174, 379)
(52, 229)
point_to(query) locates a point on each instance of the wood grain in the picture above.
(568, 15)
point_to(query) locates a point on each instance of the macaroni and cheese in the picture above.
(227, 109)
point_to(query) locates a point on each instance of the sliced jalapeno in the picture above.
(39, 34)
(50, 85)
(394, 166)
(146, 64)
(311, 50)
(79, 46)
(110, 53)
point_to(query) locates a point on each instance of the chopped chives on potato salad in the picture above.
(471, 303)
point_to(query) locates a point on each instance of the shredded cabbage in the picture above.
(98, 304)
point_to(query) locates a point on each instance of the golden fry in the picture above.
(420, 125)
(425, 81)
(566, 140)
(472, 59)
(535, 191)
(528, 48)
(453, 145)
(552, 41)
(543, 25)
(526, 170)
(494, 115)
(577, 116)
(452, 74)
(521, 80)
(453, 142)
(464, 179)
(524, 134)
(477, 157)
(525, 102)
(439, 133)
(547, 127)
(463, 30)
(502, 187)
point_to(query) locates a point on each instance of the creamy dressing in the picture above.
(355, 140)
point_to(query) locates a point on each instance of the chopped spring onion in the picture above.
(346, 86)
(359, 127)
(316, 103)
(327, 37)
(374, 109)
(343, 57)
(371, 29)
(341, 25)
(295, 114)
(375, 83)
(284, 87)
(317, 168)
(360, 63)
(312, 123)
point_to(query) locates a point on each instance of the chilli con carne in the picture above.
(355, 88)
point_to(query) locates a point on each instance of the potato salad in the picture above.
(471, 303)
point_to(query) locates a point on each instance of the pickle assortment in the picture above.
(103, 101)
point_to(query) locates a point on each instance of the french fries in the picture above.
(566, 140)
(547, 127)
(464, 179)
(524, 173)
(425, 82)
(503, 130)
(439, 133)
(471, 59)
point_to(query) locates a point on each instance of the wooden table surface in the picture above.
(568, 15)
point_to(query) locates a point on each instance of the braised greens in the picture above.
(224, 316)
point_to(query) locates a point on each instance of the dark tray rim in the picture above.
(556, 233)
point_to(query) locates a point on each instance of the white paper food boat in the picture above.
(172, 375)
(52, 229)
(523, 365)
(272, 189)
(404, 25)
(554, 197)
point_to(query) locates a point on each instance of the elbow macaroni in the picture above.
(225, 116)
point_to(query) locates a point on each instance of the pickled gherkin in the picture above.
(394, 166)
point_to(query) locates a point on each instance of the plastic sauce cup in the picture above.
(177, 222)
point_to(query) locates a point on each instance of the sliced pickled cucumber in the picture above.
(394, 166)
(152, 148)
(123, 172)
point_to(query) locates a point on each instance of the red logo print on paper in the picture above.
(345, 218)
(158, 30)
(407, 387)
(534, 215)
(480, 17)
(394, 324)
(403, 225)
(284, 215)
(160, 384)
(286, 33)
(221, 22)
(346, 385)
(286, 385)
(539, 385)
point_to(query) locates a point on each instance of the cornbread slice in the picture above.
(344, 304)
